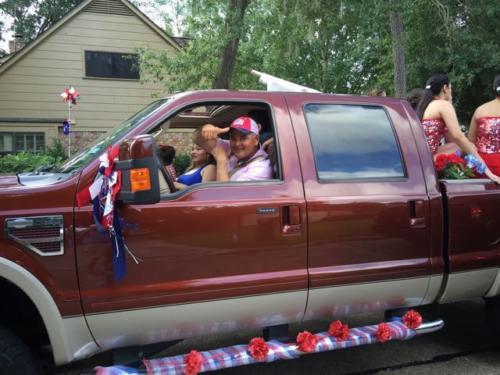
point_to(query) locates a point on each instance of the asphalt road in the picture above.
(467, 345)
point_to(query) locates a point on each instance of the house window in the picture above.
(353, 142)
(16, 142)
(111, 65)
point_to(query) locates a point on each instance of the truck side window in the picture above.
(353, 142)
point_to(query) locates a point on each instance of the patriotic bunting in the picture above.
(102, 193)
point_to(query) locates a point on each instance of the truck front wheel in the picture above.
(15, 357)
(493, 315)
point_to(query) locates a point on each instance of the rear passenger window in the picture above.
(353, 142)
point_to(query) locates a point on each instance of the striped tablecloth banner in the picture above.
(238, 355)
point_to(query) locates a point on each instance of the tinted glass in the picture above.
(111, 65)
(40, 142)
(5, 143)
(20, 142)
(125, 66)
(353, 142)
(99, 146)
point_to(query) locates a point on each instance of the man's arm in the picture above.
(208, 138)
(222, 168)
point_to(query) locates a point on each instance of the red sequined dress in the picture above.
(434, 130)
(488, 141)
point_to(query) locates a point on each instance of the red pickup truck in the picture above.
(355, 219)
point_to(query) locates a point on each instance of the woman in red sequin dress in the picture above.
(484, 130)
(440, 121)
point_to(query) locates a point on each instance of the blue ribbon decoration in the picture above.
(66, 127)
(119, 261)
(115, 233)
(473, 162)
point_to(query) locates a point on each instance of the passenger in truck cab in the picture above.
(266, 136)
(484, 130)
(202, 169)
(239, 159)
(439, 120)
(167, 155)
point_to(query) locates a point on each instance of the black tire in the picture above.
(493, 315)
(15, 356)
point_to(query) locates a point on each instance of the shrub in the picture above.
(56, 150)
(25, 162)
(181, 162)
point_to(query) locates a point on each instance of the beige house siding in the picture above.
(31, 87)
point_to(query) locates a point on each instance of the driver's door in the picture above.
(218, 257)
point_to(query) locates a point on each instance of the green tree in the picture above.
(33, 17)
(343, 46)
(195, 66)
(2, 52)
(459, 38)
(233, 30)
(398, 52)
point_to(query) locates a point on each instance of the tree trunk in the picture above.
(234, 29)
(398, 52)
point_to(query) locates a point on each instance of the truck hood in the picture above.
(8, 181)
(32, 179)
(41, 178)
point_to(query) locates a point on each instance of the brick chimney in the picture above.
(16, 44)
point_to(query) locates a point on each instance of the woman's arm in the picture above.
(449, 116)
(208, 173)
(179, 186)
(456, 135)
(472, 134)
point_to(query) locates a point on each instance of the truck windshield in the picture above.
(98, 147)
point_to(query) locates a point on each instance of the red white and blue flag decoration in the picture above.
(102, 193)
(339, 336)
(66, 127)
(70, 95)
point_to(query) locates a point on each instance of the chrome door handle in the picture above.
(290, 220)
(417, 214)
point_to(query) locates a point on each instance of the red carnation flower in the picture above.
(454, 158)
(192, 363)
(339, 330)
(306, 342)
(412, 319)
(258, 348)
(441, 162)
(383, 332)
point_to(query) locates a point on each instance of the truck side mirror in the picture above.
(139, 167)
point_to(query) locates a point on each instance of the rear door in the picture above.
(367, 205)
(218, 257)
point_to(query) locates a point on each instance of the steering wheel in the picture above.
(168, 178)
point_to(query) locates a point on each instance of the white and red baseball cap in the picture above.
(245, 125)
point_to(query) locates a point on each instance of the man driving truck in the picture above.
(239, 159)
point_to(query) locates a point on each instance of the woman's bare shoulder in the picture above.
(437, 107)
(208, 167)
(491, 108)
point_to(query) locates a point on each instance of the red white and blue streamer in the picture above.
(103, 192)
